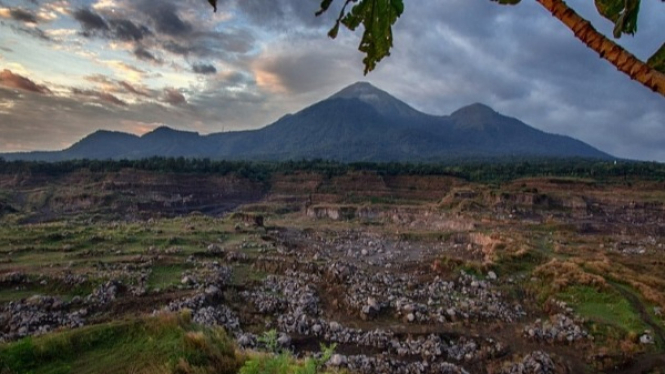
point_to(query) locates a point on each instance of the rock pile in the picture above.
(207, 311)
(385, 364)
(206, 306)
(294, 293)
(537, 362)
(38, 315)
(430, 348)
(466, 298)
(105, 293)
(559, 329)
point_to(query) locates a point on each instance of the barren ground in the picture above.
(404, 274)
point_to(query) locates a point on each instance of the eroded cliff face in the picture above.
(127, 194)
(424, 202)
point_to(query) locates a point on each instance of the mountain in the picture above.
(358, 123)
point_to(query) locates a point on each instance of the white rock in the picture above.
(337, 360)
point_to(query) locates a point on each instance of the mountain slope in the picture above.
(359, 123)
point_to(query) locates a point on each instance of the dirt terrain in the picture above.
(406, 274)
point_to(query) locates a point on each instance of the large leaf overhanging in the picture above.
(377, 18)
(623, 13)
(657, 61)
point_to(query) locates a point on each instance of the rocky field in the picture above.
(398, 274)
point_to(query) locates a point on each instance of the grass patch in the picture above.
(283, 362)
(244, 274)
(59, 289)
(164, 276)
(520, 262)
(162, 344)
(603, 308)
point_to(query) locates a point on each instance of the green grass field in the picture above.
(162, 344)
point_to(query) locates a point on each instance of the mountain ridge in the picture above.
(358, 123)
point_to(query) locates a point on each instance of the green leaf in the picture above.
(610, 9)
(623, 13)
(325, 4)
(377, 18)
(657, 61)
(333, 32)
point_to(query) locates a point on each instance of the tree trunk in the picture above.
(606, 48)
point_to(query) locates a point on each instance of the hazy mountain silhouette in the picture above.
(359, 123)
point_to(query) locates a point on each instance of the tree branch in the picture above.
(606, 48)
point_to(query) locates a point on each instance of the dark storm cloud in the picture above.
(90, 21)
(11, 80)
(22, 15)
(179, 49)
(181, 28)
(113, 28)
(165, 18)
(127, 30)
(204, 69)
(173, 96)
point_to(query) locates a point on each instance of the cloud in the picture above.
(34, 32)
(101, 96)
(145, 55)
(139, 91)
(153, 30)
(23, 15)
(125, 70)
(305, 68)
(124, 29)
(25, 22)
(272, 58)
(173, 96)
(227, 100)
(165, 18)
(204, 69)
(113, 28)
(90, 21)
(287, 15)
(11, 80)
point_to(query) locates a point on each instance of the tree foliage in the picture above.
(377, 17)
(488, 170)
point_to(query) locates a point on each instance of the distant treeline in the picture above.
(475, 171)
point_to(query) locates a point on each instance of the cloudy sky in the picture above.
(70, 67)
